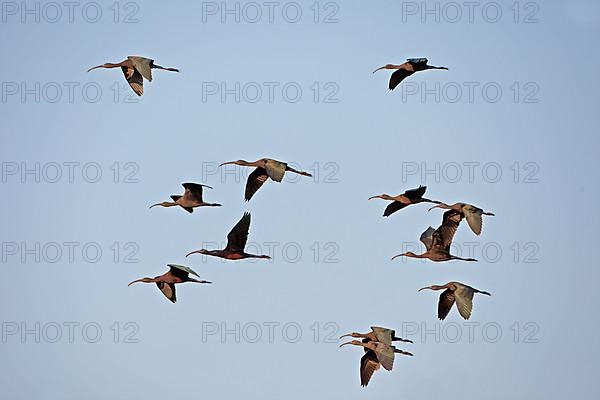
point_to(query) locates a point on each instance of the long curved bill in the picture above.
(346, 335)
(226, 163)
(343, 344)
(136, 281)
(423, 288)
(379, 69)
(99, 66)
(438, 206)
(374, 197)
(154, 205)
(397, 256)
(193, 252)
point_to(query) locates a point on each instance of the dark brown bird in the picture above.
(413, 196)
(458, 293)
(369, 362)
(376, 354)
(406, 69)
(166, 282)
(472, 214)
(135, 68)
(438, 241)
(236, 243)
(192, 198)
(265, 168)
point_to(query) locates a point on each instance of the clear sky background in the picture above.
(362, 141)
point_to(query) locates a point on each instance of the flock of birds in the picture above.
(378, 343)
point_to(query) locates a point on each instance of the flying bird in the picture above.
(406, 69)
(135, 68)
(379, 334)
(236, 243)
(166, 282)
(412, 196)
(458, 293)
(438, 241)
(470, 212)
(265, 168)
(192, 198)
(377, 354)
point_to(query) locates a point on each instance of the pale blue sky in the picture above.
(366, 140)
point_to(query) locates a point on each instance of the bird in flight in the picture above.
(378, 351)
(135, 68)
(191, 198)
(412, 196)
(236, 243)
(265, 168)
(472, 214)
(166, 282)
(438, 241)
(406, 69)
(455, 292)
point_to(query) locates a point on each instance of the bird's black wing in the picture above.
(135, 80)
(398, 76)
(445, 304)
(368, 365)
(193, 191)
(168, 290)
(393, 207)
(255, 180)
(237, 238)
(179, 273)
(443, 235)
(414, 194)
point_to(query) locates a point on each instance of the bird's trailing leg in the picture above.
(462, 259)
(165, 69)
(288, 168)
